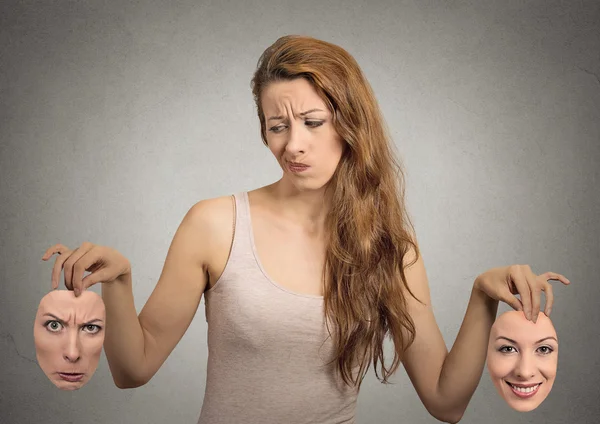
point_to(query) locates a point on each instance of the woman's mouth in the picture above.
(524, 390)
(296, 167)
(71, 376)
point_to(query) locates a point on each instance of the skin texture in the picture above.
(523, 361)
(310, 139)
(73, 345)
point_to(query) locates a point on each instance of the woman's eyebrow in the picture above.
(539, 341)
(309, 111)
(279, 117)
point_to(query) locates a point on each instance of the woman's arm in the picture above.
(136, 346)
(445, 382)
(464, 364)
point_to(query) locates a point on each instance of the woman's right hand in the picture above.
(104, 263)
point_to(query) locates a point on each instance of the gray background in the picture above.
(116, 117)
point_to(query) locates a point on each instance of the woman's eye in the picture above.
(314, 124)
(276, 129)
(91, 328)
(53, 326)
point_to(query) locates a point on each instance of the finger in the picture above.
(69, 268)
(57, 248)
(520, 282)
(547, 288)
(57, 268)
(536, 293)
(96, 277)
(557, 277)
(512, 301)
(86, 262)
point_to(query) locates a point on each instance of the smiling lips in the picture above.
(524, 390)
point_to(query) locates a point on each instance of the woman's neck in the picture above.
(307, 209)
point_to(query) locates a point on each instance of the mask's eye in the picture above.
(53, 326)
(545, 350)
(507, 349)
(92, 328)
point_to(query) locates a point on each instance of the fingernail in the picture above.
(76, 292)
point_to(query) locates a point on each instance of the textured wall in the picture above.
(116, 117)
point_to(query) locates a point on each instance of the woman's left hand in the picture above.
(504, 283)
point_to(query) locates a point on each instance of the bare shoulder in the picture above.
(214, 220)
(210, 214)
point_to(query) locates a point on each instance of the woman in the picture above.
(306, 277)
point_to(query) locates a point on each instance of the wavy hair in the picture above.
(369, 232)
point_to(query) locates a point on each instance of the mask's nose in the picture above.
(72, 348)
(525, 367)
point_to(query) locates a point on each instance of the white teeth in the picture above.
(525, 390)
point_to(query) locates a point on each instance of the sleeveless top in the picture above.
(269, 351)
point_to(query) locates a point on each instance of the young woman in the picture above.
(304, 278)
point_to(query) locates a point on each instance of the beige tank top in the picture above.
(268, 347)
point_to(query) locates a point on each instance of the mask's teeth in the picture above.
(523, 389)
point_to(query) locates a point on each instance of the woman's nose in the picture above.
(296, 139)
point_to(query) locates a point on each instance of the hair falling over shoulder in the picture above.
(370, 233)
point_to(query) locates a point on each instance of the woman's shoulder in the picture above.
(211, 213)
(219, 210)
(215, 223)
(212, 205)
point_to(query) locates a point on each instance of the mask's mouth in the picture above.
(72, 377)
(524, 390)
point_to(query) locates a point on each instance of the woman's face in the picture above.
(299, 129)
(68, 334)
(522, 359)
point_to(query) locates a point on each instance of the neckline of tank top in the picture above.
(258, 261)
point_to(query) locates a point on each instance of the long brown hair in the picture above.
(369, 232)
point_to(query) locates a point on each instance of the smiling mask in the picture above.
(68, 333)
(522, 359)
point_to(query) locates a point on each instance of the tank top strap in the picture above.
(242, 249)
